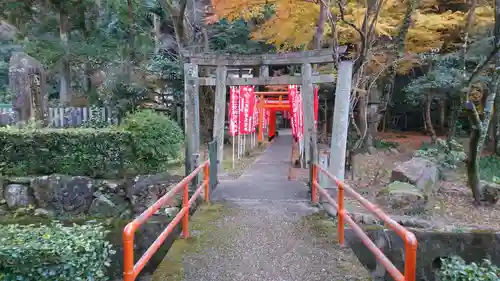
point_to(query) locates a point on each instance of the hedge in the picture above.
(54, 252)
(78, 152)
(143, 144)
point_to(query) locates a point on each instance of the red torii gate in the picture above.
(272, 101)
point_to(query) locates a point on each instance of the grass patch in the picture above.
(324, 233)
(201, 227)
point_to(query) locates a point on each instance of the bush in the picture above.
(156, 138)
(54, 252)
(445, 156)
(144, 144)
(455, 269)
(489, 167)
(79, 152)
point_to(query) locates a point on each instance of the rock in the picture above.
(428, 179)
(394, 151)
(411, 170)
(111, 186)
(20, 180)
(64, 193)
(17, 196)
(144, 191)
(41, 212)
(490, 192)
(171, 211)
(403, 196)
(109, 205)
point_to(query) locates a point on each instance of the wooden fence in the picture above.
(63, 117)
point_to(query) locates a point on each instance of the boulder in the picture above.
(17, 196)
(63, 194)
(144, 191)
(109, 205)
(490, 192)
(428, 181)
(411, 170)
(41, 212)
(404, 197)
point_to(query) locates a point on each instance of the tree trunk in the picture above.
(65, 74)
(362, 119)
(497, 125)
(479, 128)
(497, 96)
(87, 70)
(473, 157)
(453, 119)
(397, 54)
(320, 26)
(428, 120)
(442, 116)
(131, 41)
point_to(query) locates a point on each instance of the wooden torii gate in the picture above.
(221, 80)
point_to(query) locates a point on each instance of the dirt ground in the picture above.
(453, 204)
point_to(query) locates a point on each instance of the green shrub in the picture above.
(83, 152)
(455, 269)
(383, 144)
(447, 156)
(54, 252)
(143, 144)
(489, 167)
(156, 138)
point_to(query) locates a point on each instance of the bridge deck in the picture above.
(261, 227)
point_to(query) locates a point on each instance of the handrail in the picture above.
(408, 237)
(131, 270)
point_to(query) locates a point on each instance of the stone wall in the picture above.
(85, 200)
(472, 246)
(60, 195)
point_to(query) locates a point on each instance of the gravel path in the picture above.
(261, 228)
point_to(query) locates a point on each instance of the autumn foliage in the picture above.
(293, 24)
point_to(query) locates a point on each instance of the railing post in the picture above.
(212, 155)
(206, 181)
(185, 218)
(411, 245)
(128, 256)
(314, 187)
(341, 212)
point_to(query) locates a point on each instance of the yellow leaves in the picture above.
(291, 26)
(483, 17)
(294, 22)
(235, 9)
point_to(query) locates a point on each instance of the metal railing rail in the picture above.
(408, 237)
(131, 270)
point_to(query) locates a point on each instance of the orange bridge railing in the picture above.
(131, 270)
(343, 217)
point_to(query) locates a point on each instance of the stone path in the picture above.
(264, 232)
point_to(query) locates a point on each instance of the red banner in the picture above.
(295, 110)
(255, 113)
(234, 99)
(316, 105)
(247, 104)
